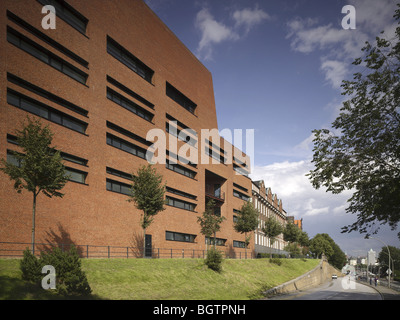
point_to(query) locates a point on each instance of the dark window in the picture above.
(74, 159)
(45, 55)
(119, 187)
(127, 133)
(174, 131)
(130, 92)
(119, 173)
(240, 170)
(28, 104)
(46, 39)
(180, 169)
(240, 195)
(239, 244)
(215, 155)
(76, 175)
(218, 241)
(180, 98)
(181, 193)
(128, 59)
(68, 14)
(11, 158)
(180, 204)
(129, 105)
(126, 146)
(240, 187)
(182, 237)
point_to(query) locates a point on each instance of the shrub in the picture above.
(70, 279)
(214, 260)
(277, 261)
(30, 267)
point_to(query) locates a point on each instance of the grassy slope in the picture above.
(165, 279)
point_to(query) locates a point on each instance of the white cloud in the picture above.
(335, 71)
(248, 18)
(214, 32)
(340, 47)
(289, 181)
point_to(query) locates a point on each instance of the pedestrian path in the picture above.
(385, 292)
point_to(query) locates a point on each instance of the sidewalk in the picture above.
(385, 292)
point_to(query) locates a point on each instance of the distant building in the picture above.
(268, 205)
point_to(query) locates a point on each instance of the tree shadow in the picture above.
(61, 239)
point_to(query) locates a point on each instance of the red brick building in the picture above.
(107, 74)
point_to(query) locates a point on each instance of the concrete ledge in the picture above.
(319, 275)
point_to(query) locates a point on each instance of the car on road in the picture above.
(334, 276)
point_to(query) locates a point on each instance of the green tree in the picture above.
(321, 245)
(272, 229)
(147, 192)
(210, 223)
(394, 261)
(247, 221)
(362, 152)
(291, 233)
(38, 168)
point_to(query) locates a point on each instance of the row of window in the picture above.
(39, 34)
(28, 104)
(240, 195)
(45, 55)
(129, 105)
(46, 94)
(126, 146)
(73, 174)
(186, 237)
(128, 59)
(180, 169)
(177, 203)
(79, 22)
(67, 13)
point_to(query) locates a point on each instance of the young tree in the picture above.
(147, 192)
(38, 168)
(247, 221)
(362, 153)
(272, 229)
(209, 222)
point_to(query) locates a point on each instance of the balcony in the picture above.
(215, 193)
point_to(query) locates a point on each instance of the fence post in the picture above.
(158, 253)
(171, 253)
(127, 252)
(108, 252)
(87, 251)
(183, 253)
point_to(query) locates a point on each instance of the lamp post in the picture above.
(389, 257)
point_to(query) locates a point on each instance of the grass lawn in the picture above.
(164, 279)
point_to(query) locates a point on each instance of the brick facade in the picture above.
(89, 213)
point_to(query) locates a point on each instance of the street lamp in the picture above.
(389, 257)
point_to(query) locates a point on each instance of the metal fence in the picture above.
(16, 249)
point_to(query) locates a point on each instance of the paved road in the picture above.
(338, 289)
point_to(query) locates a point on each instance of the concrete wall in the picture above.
(320, 274)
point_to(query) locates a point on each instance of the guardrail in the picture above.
(16, 249)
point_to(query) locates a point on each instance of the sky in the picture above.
(277, 67)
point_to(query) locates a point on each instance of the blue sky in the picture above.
(277, 67)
